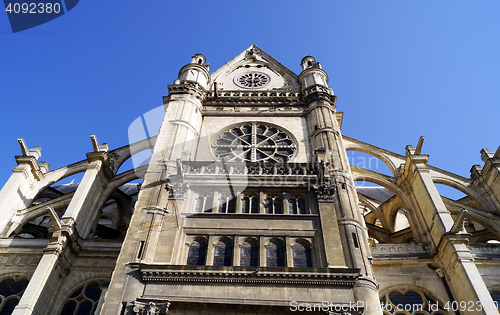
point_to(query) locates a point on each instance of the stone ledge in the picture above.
(401, 251)
(250, 275)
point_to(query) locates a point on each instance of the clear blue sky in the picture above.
(401, 69)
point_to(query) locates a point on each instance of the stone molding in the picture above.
(325, 193)
(485, 250)
(249, 275)
(188, 87)
(402, 250)
(251, 216)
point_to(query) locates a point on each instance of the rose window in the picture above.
(252, 80)
(254, 142)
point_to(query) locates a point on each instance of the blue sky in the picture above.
(401, 69)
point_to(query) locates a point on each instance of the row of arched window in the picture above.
(271, 204)
(250, 255)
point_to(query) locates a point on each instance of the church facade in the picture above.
(248, 205)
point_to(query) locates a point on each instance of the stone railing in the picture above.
(253, 169)
(400, 250)
(485, 250)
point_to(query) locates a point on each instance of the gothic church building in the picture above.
(248, 206)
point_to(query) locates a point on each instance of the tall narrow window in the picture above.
(302, 206)
(200, 201)
(292, 206)
(277, 205)
(223, 253)
(245, 205)
(209, 201)
(230, 205)
(268, 205)
(197, 252)
(275, 254)
(255, 204)
(301, 255)
(249, 254)
(222, 204)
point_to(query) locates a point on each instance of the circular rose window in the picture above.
(254, 142)
(252, 80)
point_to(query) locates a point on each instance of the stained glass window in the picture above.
(197, 252)
(301, 255)
(249, 254)
(275, 254)
(223, 253)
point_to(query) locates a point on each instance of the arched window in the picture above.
(414, 302)
(275, 254)
(301, 255)
(226, 204)
(250, 204)
(223, 253)
(10, 293)
(197, 253)
(249, 254)
(83, 301)
(297, 205)
(272, 205)
(204, 203)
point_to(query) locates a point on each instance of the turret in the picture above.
(196, 71)
(312, 75)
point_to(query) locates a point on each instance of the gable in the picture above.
(254, 70)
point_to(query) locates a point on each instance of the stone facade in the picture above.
(248, 206)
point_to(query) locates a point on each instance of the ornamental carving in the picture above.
(325, 193)
(151, 308)
(177, 191)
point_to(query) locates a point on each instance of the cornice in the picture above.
(250, 275)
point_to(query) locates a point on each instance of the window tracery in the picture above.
(250, 204)
(227, 204)
(272, 205)
(413, 302)
(84, 300)
(297, 205)
(204, 203)
(11, 291)
(255, 142)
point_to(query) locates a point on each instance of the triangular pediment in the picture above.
(254, 70)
